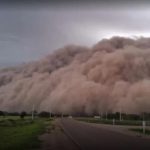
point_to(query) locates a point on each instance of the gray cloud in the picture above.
(28, 32)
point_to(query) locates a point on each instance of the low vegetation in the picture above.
(21, 133)
(110, 121)
(140, 130)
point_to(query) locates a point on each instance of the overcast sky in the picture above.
(29, 32)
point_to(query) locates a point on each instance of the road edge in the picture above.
(69, 136)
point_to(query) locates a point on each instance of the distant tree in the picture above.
(44, 114)
(117, 115)
(133, 117)
(13, 114)
(23, 114)
(2, 113)
(111, 115)
(35, 113)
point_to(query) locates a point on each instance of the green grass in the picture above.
(15, 122)
(117, 122)
(21, 134)
(9, 117)
(140, 130)
(13, 117)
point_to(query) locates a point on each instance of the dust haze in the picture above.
(113, 75)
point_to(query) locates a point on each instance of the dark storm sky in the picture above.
(30, 31)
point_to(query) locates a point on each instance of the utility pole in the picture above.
(144, 126)
(106, 115)
(101, 115)
(113, 121)
(143, 123)
(120, 115)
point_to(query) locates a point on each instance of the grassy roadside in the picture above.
(140, 130)
(117, 122)
(21, 134)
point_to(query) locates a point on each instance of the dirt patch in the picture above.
(55, 139)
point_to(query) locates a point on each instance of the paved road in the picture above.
(55, 139)
(93, 138)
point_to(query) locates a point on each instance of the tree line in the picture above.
(45, 114)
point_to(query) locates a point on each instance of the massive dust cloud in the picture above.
(111, 76)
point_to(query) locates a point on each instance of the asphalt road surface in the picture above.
(88, 137)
